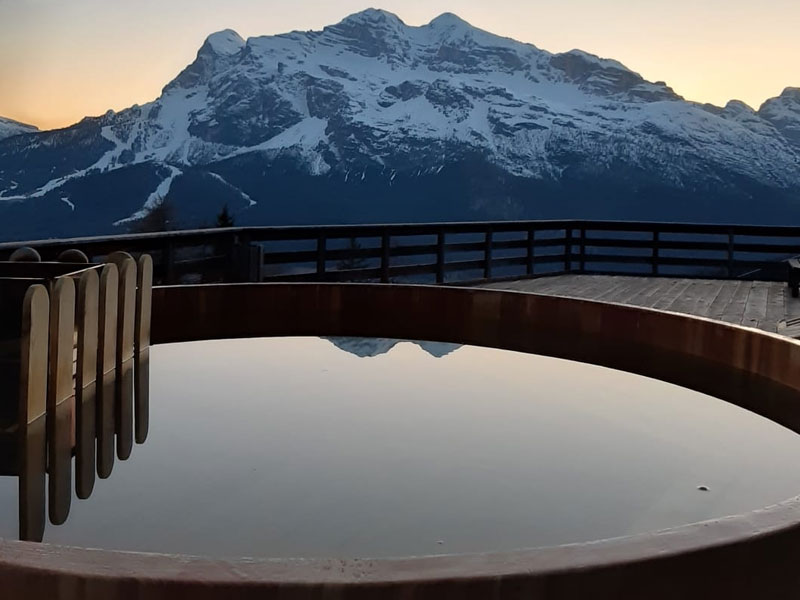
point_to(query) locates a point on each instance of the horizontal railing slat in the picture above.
(407, 270)
(413, 250)
(298, 256)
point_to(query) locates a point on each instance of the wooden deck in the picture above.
(761, 304)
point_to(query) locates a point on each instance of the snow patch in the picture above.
(244, 195)
(153, 199)
(305, 138)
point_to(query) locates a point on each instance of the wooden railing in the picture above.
(451, 252)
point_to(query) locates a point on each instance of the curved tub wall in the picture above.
(746, 556)
(744, 366)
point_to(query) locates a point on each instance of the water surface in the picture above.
(311, 447)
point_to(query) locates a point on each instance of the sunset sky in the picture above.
(62, 60)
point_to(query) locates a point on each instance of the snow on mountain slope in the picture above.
(373, 97)
(9, 127)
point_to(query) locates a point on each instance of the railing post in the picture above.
(531, 251)
(730, 253)
(487, 249)
(568, 250)
(582, 250)
(168, 261)
(655, 253)
(247, 258)
(440, 242)
(321, 248)
(256, 262)
(386, 240)
(236, 250)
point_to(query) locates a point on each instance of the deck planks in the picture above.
(734, 312)
(760, 304)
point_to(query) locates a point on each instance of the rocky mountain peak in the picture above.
(372, 16)
(218, 50)
(607, 77)
(371, 33)
(789, 100)
(223, 43)
(792, 94)
(784, 113)
(583, 62)
(448, 19)
(740, 112)
(451, 21)
(368, 23)
(738, 107)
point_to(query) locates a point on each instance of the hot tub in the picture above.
(304, 442)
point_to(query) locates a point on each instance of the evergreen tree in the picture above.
(224, 218)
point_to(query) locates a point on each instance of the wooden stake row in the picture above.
(84, 352)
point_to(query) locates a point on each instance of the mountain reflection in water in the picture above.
(370, 347)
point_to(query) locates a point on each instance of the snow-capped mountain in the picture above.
(373, 120)
(9, 127)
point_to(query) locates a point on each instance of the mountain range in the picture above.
(372, 120)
